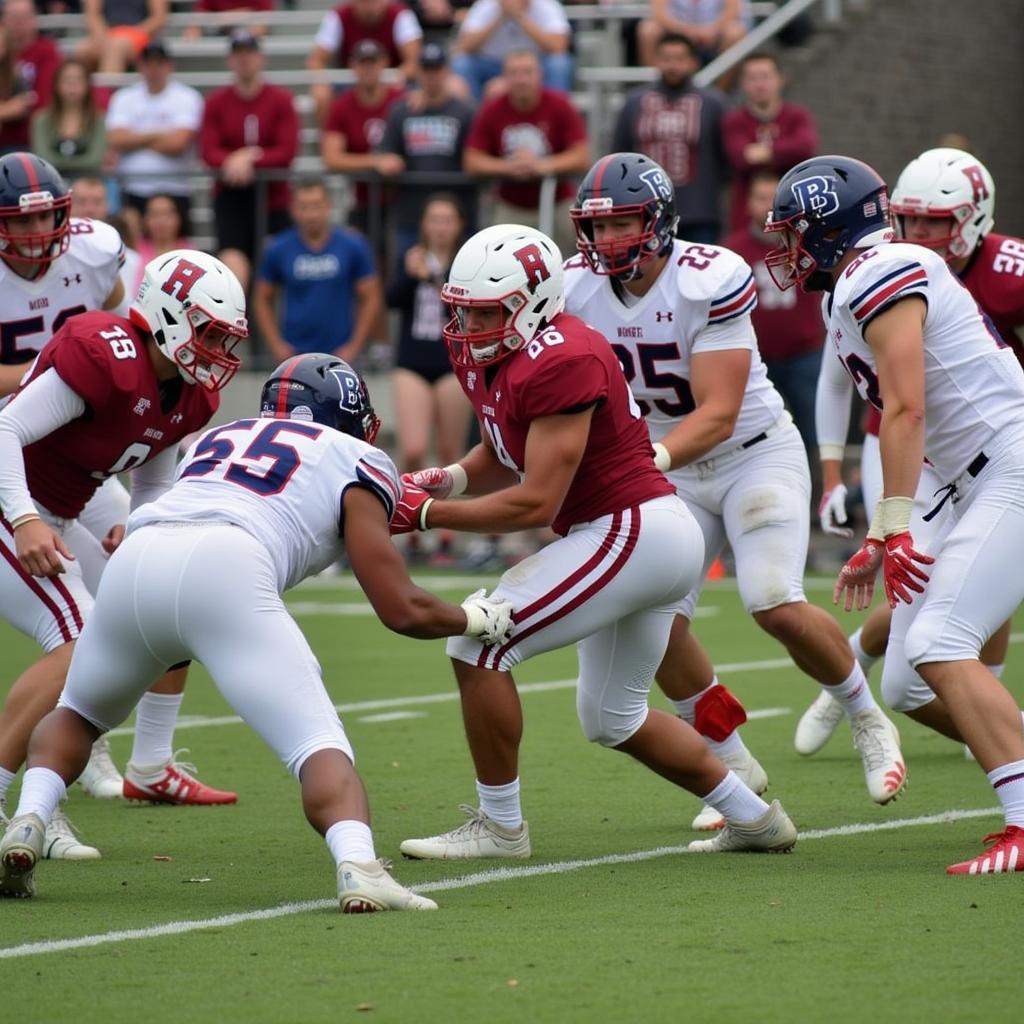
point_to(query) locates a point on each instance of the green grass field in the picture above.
(609, 921)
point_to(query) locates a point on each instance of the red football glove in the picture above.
(437, 482)
(411, 511)
(900, 573)
(857, 577)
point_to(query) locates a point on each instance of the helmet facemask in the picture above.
(791, 264)
(468, 348)
(39, 249)
(624, 257)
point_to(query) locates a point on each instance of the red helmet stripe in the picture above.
(599, 172)
(30, 170)
(282, 391)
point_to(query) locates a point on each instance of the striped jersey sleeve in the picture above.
(378, 473)
(734, 300)
(890, 284)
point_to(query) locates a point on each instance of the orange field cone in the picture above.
(717, 570)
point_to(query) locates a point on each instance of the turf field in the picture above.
(227, 914)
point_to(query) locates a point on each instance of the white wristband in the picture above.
(476, 620)
(832, 452)
(421, 520)
(662, 459)
(459, 479)
(896, 515)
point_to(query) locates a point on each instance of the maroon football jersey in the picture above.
(995, 277)
(568, 367)
(104, 360)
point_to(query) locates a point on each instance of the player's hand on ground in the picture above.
(40, 549)
(436, 481)
(411, 511)
(857, 577)
(112, 541)
(487, 619)
(899, 571)
(832, 512)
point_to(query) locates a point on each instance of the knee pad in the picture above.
(299, 756)
(902, 688)
(607, 726)
(718, 714)
(763, 506)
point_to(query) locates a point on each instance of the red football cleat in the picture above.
(172, 783)
(1004, 857)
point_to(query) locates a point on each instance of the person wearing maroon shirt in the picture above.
(355, 126)
(36, 59)
(790, 334)
(766, 133)
(564, 444)
(248, 126)
(225, 7)
(392, 25)
(527, 134)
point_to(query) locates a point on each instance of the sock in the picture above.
(6, 778)
(853, 693)
(41, 791)
(865, 660)
(734, 801)
(732, 747)
(1008, 782)
(155, 719)
(687, 709)
(350, 840)
(501, 804)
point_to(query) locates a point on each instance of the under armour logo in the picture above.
(177, 417)
(816, 195)
(497, 396)
(659, 316)
(471, 380)
(72, 278)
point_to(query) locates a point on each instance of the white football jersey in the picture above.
(282, 481)
(701, 302)
(974, 386)
(78, 281)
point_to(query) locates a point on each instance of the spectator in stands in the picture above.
(392, 25)
(679, 125)
(152, 126)
(70, 132)
(765, 133)
(90, 199)
(431, 411)
(492, 29)
(35, 60)
(788, 324)
(527, 134)
(162, 230)
(355, 127)
(248, 126)
(119, 30)
(711, 25)
(426, 132)
(326, 279)
(194, 31)
(437, 18)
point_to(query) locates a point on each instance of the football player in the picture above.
(921, 352)
(945, 200)
(52, 267)
(106, 395)
(564, 444)
(678, 317)
(258, 505)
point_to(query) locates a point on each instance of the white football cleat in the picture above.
(62, 843)
(773, 832)
(878, 743)
(20, 851)
(817, 724)
(478, 837)
(746, 766)
(101, 779)
(368, 888)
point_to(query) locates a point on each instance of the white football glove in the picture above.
(439, 482)
(832, 512)
(488, 620)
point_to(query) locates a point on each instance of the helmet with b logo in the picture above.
(625, 185)
(512, 270)
(947, 183)
(194, 307)
(824, 207)
(30, 185)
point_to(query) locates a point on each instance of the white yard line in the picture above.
(504, 874)
(305, 609)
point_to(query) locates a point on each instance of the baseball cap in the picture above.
(368, 49)
(243, 39)
(155, 49)
(433, 56)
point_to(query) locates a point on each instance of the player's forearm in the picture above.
(831, 474)
(696, 435)
(423, 616)
(901, 440)
(484, 473)
(15, 500)
(10, 378)
(507, 511)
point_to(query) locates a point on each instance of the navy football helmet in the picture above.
(29, 184)
(321, 389)
(824, 207)
(621, 185)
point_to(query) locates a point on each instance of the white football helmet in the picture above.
(194, 307)
(948, 183)
(511, 267)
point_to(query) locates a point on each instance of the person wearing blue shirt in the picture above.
(326, 280)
